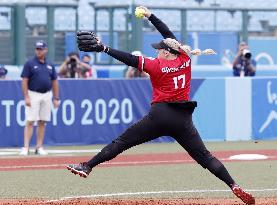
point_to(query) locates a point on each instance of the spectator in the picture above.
(134, 72)
(3, 72)
(38, 78)
(243, 64)
(91, 73)
(73, 67)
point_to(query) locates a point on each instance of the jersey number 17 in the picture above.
(181, 78)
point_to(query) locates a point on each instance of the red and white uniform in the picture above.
(170, 78)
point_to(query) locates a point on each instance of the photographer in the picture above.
(73, 67)
(243, 64)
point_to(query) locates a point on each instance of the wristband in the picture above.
(107, 49)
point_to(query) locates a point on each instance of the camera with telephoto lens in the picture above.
(72, 62)
(72, 66)
(246, 53)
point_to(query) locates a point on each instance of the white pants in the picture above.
(40, 108)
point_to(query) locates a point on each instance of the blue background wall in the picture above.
(262, 49)
(203, 66)
(209, 116)
(97, 111)
(266, 47)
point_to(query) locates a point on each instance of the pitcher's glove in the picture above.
(88, 41)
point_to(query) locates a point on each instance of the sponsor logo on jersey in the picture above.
(169, 70)
(172, 70)
(49, 67)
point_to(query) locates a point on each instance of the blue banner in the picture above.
(91, 112)
(264, 109)
(97, 111)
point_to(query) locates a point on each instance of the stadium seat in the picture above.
(196, 20)
(5, 16)
(33, 18)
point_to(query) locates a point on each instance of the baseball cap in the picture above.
(41, 44)
(3, 71)
(163, 45)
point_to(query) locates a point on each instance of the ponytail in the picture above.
(197, 51)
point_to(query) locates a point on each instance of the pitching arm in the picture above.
(123, 57)
(161, 27)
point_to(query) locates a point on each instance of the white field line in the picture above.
(118, 163)
(52, 151)
(106, 163)
(154, 192)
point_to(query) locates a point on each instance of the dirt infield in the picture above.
(59, 162)
(217, 201)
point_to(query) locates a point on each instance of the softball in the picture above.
(139, 13)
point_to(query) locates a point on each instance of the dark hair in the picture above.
(74, 53)
(3, 70)
(86, 55)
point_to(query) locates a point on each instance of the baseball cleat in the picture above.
(246, 197)
(81, 169)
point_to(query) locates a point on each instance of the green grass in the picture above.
(54, 184)
(50, 184)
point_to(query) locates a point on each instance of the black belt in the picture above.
(40, 91)
(188, 104)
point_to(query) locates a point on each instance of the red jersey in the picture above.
(170, 79)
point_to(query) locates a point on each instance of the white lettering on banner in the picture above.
(85, 119)
(68, 104)
(20, 105)
(54, 112)
(8, 104)
(111, 111)
(126, 107)
(117, 110)
(100, 108)
(114, 103)
(272, 99)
